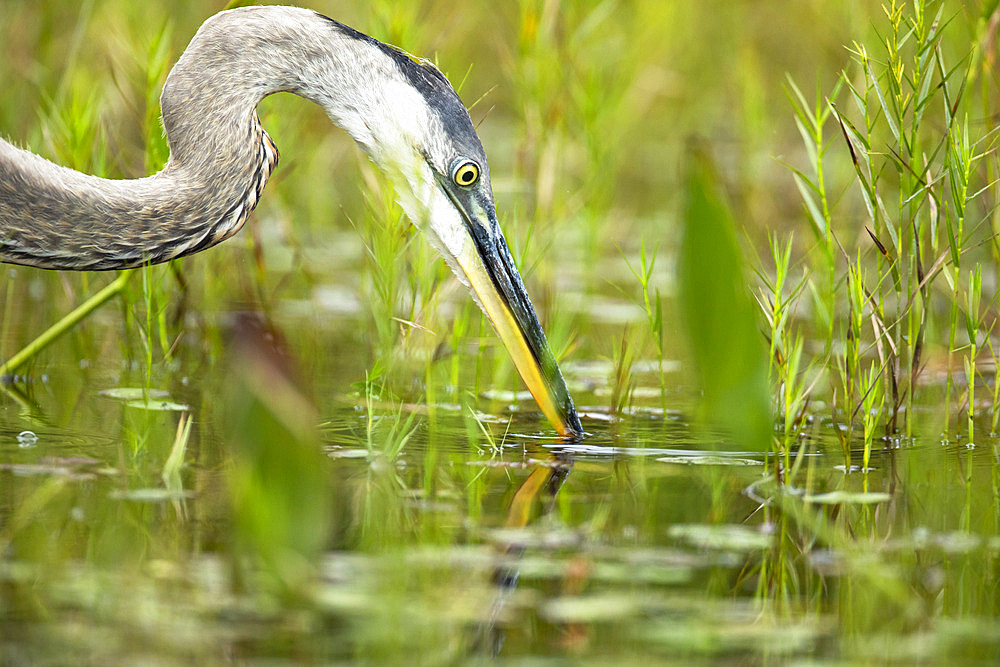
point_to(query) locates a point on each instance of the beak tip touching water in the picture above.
(574, 429)
(493, 278)
(566, 421)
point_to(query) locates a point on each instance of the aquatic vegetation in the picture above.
(902, 113)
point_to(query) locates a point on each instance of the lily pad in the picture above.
(495, 463)
(132, 393)
(507, 396)
(732, 537)
(709, 461)
(157, 404)
(848, 498)
(348, 453)
(151, 495)
(72, 468)
(590, 608)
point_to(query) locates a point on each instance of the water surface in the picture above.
(444, 532)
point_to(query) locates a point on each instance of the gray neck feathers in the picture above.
(220, 158)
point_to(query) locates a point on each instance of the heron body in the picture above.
(401, 110)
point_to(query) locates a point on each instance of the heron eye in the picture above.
(466, 173)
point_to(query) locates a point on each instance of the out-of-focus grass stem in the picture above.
(653, 308)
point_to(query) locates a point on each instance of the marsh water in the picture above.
(310, 520)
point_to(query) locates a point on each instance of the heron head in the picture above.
(419, 132)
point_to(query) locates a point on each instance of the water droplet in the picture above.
(26, 439)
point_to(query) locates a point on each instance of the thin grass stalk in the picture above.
(872, 405)
(652, 307)
(811, 124)
(973, 321)
(69, 321)
(995, 357)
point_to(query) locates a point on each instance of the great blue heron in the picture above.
(400, 109)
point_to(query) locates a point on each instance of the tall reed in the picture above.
(915, 166)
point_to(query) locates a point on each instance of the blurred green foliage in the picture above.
(279, 476)
(719, 315)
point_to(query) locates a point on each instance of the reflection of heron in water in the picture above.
(401, 110)
(541, 486)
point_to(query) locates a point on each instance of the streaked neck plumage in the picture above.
(220, 158)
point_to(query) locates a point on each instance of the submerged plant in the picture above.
(385, 434)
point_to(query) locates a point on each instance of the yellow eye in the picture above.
(466, 173)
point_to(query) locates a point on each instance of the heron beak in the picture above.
(494, 279)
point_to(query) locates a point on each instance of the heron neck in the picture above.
(220, 158)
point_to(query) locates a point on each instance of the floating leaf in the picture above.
(133, 393)
(507, 396)
(493, 463)
(590, 608)
(848, 498)
(731, 537)
(151, 495)
(709, 461)
(26, 469)
(157, 404)
(355, 453)
(70, 467)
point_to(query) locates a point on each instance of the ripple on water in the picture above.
(16, 446)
